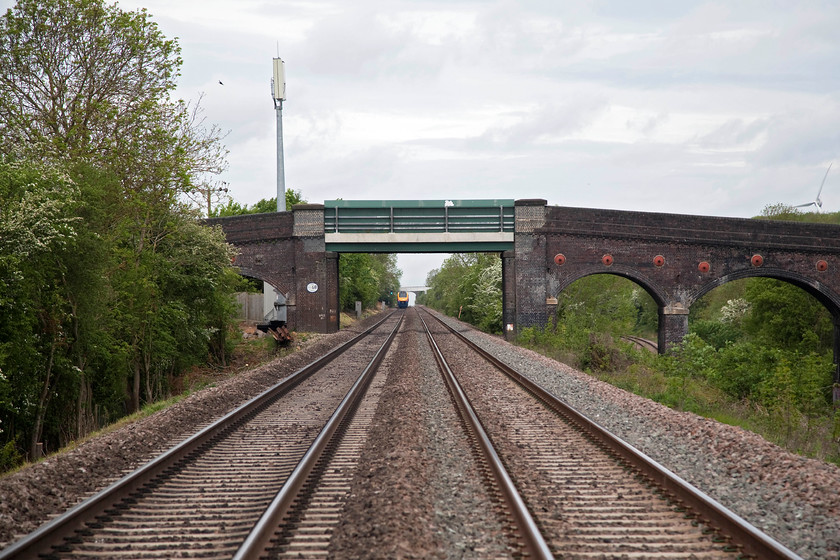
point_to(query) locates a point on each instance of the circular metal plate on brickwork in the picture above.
(312, 287)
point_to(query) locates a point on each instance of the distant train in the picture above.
(402, 299)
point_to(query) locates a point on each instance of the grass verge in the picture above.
(642, 373)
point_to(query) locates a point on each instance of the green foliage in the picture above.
(250, 285)
(792, 214)
(756, 324)
(109, 287)
(486, 305)
(599, 303)
(594, 312)
(786, 316)
(718, 334)
(231, 208)
(78, 76)
(367, 278)
(36, 223)
(469, 286)
(264, 206)
(293, 197)
(10, 457)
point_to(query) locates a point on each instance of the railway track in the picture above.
(301, 521)
(642, 343)
(203, 497)
(603, 497)
(556, 484)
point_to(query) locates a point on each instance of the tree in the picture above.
(34, 227)
(78, 77)
(264, 206)
(108, 278)
(367, 278)
(786, 316)
(469, 285)
(84, 81)
(790, 213)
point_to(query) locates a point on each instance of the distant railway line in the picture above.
(643, 343)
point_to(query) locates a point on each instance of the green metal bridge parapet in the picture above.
(418, 226)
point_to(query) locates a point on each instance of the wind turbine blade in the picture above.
(804, 205)
(823, 181)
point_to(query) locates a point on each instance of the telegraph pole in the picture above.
(278, 93)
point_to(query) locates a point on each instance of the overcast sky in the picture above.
(716, 108)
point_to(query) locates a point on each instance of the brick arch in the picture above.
(282, 249)
(825, 295)
(674, 257)
(634, 275)
(269, 279)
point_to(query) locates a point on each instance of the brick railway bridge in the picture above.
(675, 258)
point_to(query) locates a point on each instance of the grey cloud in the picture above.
(746, 74)
(541, 124)
(803, 137)
(350, 44)
(735, 132)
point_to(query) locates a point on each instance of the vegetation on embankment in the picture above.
(110, 287)
(468, 286)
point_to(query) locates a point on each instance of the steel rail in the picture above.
(641, 342)
(743, 534)
(258, 541)
(54, 532)
(532, 537)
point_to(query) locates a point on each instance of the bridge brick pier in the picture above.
(675, 258)
(287, 251)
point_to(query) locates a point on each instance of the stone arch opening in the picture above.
(649, 286)
(265, 278)
(630, 304)
(671, 323)
(258, 306)
(788, 317)
(819, 290)
(823, 294)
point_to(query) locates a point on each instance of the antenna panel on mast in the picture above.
(279, 80)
